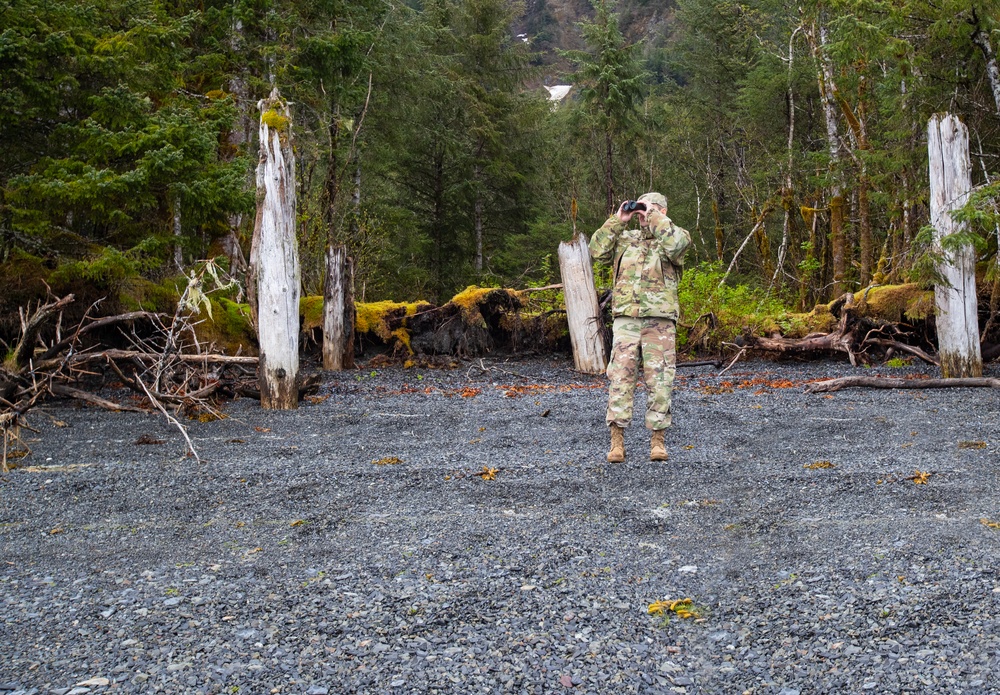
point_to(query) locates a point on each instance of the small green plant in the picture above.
(897, 362)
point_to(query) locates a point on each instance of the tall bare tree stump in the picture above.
(950, 182)
(583, 313)
(275, 259)
(338, 310)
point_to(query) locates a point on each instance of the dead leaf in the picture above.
(235, 441)
(545, 413)
(488, 473)
(816, 465)
(920, 477)
(297, 522)
(387, 461)
(972, 445)
(990, 524)
(148, 439)
(56, 530)
(316, 400)
(682, 608)
(262, 429)
(469, 392)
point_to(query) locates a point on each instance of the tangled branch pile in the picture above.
(165, 366)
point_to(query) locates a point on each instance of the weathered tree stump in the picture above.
(583, 313)
(957, 319)
(338, 310)
(275, 259)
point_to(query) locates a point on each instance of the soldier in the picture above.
(646, 264)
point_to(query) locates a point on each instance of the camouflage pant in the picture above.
(652, 341)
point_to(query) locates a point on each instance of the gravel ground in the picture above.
(288, 562)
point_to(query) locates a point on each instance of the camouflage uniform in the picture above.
(646, 263)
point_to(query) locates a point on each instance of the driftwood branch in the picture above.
(70, 392)
(846, 382)
(913, 350)
(25, 348)
(173, 421)
(94, 325)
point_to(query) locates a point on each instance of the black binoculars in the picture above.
(633, 205)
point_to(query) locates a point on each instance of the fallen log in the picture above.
(896, 345)
(700, 363)
(308, 384)
(116, 354)
(69, 392)
(875, 382)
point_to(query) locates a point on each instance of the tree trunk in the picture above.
(477, 210)
(788, 190)
(609, 181)
(982, 39)
(178, 251)
(583, 314)
(338, 310)
(827, 89)
(237, 140)
(277, 259)
(950, 183)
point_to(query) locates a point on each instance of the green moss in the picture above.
(311, 311)
(374, 317)
(229, 328)
(894, 302)
(146, 295)
(275, 120)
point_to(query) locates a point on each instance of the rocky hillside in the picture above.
(551, 25)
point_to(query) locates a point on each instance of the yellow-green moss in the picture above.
(403, 336)
(275, 120)
(894, 302)
(373, 317)
(469, 299)
(311, 311)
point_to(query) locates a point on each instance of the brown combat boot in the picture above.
(657, 449)
(617, 453)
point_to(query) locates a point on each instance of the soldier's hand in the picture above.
(623, 215)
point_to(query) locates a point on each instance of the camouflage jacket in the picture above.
(646, 265)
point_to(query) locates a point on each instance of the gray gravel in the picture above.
(288, 562)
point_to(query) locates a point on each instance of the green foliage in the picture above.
(109, 270)
(422, 138)
(737, 306)
(925, 268)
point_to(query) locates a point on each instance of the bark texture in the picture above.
(276, 258)
(956, 301)
(583, 313)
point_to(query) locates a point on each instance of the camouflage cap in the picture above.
(654, 198)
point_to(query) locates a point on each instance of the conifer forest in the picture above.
(789, 138)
